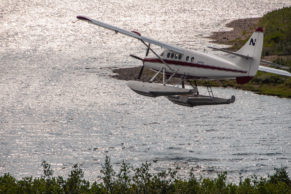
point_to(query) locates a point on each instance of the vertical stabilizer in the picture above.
(253, 49)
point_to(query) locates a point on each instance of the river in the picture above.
(58, 102)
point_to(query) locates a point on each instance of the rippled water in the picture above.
(59, 104)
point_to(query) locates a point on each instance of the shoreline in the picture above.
(241, 29)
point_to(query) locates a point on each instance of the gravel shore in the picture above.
(241, 29)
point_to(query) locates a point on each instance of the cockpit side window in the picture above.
(162, 54)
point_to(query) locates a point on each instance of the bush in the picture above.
(140, 180)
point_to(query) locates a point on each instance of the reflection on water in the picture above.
(58, 103)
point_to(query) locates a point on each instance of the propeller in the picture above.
(148, 49)
(138, 58)
(141, 70)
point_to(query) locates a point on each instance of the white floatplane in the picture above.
(177, 62)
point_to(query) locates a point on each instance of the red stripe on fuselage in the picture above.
(182, 63)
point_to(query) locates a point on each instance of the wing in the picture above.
(230, 52)
(131, 34)
(273, 70)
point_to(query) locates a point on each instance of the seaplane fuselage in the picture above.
(197, 65)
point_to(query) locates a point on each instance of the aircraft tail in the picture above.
(253, 49)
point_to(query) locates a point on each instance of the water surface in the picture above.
(59, 104)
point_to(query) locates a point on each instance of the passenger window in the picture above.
(176, 56)
(192, 59)
(180, 56)
(168, 55)
(187, 58)
(172, 55)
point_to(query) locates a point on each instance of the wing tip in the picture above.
(83, 18)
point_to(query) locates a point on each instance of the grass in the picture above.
(277, 28)
(277, 33)
(140, 180)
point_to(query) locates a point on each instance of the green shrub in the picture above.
(277, 28)
(141, 180)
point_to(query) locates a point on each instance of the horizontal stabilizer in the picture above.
(230, 52)
(274, 64)
(275, 71)
(155, 90)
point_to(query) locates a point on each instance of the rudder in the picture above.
(253, 49)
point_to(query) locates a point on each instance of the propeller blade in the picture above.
(136, 57)
(148, 49)
(140, 72)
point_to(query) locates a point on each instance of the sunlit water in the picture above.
(59, 104)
